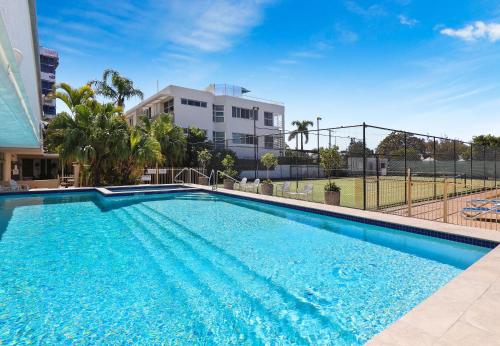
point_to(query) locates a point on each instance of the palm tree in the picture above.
(95, 136)
(142, 150)
(302, 129)
(115, 87)
(171, 138)
(72, 97)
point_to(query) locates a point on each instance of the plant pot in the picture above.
(202, 181)
(332, 197)
(228, 184)
(267, 189)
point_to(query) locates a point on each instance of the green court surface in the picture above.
(387, 191)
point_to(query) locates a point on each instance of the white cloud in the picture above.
(370, 11)
(476, 31)
(404, 20)
(211, 25)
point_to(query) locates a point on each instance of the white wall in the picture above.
(187, 116)
(16, 16)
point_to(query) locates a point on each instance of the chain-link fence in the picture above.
(373, 170)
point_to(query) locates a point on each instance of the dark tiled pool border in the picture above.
(405, 228)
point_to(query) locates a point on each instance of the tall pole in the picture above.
(454, 167)
(364, 166)
(434, 157)
(406, 167)
(317, 128)
(255, 114)
(329, 138)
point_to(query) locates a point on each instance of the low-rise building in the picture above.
(248, 126)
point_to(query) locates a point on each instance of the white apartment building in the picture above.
(21, 153)
(229, 117)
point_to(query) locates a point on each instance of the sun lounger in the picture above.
(254, 187)
(474, 213)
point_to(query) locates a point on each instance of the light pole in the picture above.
(255, 115)
(317, 128)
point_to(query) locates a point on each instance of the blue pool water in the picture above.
(197, 268)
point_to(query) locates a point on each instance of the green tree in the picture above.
(170, 136)
(72, 97)
(115, 87)
(196, 140)
(355, 148)
(228, 164)
(330, 160)
(487, 140)
(269, 160)
(302, 130)
(94, 137)
(393, 143)
(204, 157)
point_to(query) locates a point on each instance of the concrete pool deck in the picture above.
(465, 311)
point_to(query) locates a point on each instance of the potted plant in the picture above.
(268, 160)
(330, 160)
(204, 157)
(229, 171)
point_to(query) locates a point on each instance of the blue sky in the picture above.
(424, 66)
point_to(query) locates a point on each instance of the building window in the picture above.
(194, 103)
(268, 119)
(269, 142)
(219, 139)
(242, 138)
(218, 113)
(245, 113)
(147, 112)
(168, 107)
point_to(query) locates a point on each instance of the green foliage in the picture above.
(330, 159)
(98, 137)
(196, 141)
(269, 160)
(332, 187)
(355, 148)
(302, 130)
(228, 164)
(204, 157)
(487, 140)
(170, 136)
(395, 141)
(115, 87)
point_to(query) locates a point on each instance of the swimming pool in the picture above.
(207, 269)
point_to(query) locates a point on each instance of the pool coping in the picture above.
(465, 311)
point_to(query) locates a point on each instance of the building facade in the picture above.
(248, 126)
(49, 60)
(21, 151)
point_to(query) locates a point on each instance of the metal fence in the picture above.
(374, 165)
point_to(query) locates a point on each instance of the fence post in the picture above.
(157, 175)
(434, 162)
(484, 166)
(408, 188)
(445, 200)
(378, 181)
(406, 167)
(364, 166)
(455, 166)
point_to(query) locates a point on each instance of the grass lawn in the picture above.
(391, 190)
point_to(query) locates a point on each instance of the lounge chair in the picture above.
(306, 191)
(145, 178)
(479, 202)
(283, 188)
(254, 187)
(13, 187)
(474, 213)
(242, 185)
